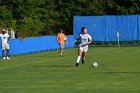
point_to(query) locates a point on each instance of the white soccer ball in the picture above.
(94, 64)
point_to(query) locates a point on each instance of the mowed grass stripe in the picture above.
(40, 61)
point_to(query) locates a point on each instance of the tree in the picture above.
(44, 17)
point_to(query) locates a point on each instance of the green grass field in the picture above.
(118, 72)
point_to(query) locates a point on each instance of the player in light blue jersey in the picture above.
(85, 39)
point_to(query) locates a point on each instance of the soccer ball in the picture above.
(94, 64)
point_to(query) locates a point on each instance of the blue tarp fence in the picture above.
(105, 28)
(36, 44)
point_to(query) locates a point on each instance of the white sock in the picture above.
(78, 59)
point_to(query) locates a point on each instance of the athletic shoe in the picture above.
(7, 58)
(3, 58)
(77, 64)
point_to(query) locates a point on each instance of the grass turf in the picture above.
(118, 72)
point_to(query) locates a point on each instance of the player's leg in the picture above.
(3, 48)
(84, 54)
(3, 55)
(7, 52)
(61, 49)
(83, 57)
(80, 51)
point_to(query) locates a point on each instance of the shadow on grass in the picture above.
(53, 66)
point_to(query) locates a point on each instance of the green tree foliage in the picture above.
(44, 17)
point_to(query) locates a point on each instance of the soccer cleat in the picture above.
(7, 58)
(77, 64)
(3, 58)
(83, 61)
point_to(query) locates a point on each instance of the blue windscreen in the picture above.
(105, 28)
(36, 44)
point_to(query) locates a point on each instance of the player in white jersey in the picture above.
(4, 42)
(84, 40)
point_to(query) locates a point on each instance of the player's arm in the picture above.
(8, 38)
(66, 40)
(77, 39)
(90, 40)
(57, 38)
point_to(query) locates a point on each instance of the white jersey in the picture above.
(4, 37)
(84, 38)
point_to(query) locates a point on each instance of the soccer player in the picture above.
(84, 40)
(61, 37)
(5, 46)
